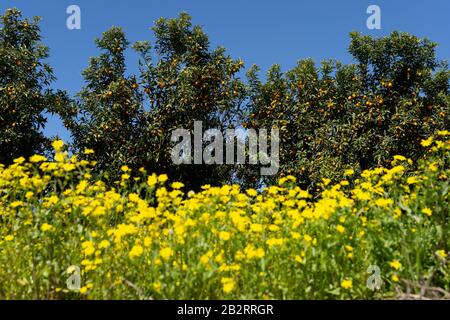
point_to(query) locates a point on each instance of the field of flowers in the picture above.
(147, 239)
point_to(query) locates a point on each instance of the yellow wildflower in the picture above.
(166, 253)
(347, 283)
(228, 284)
(349, 172)
(427, 211)
(340, 228)
(136, 251)
(395, 264)
(427, 142)
(224, 235)
(442, 254)
(46, 227)
(57, 145)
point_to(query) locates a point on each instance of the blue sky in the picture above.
(260, 32)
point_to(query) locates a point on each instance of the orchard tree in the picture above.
(406, 90)
(336, 117)
(106, 116)
(24, 87)
(130, 122)
(187, 82)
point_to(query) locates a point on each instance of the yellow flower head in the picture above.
(441, 254)
(177, 185)
(427, 211)
(166, 253)
(412, 180)
(57, 145)
(274, 242)
(163, 178)
(399, 158)
(37, 158)
(307, 238)
(136, 251)
(228, 284)
(46, 227)
(152, 180)
(444, 133)
(19, 160)
(347, 283)
(224, 235)
(349, 172)
(395, 264)
(256, 227)
(427, 142)
(104, 244)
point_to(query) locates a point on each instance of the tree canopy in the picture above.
(331, 116)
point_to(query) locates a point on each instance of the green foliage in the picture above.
(24, 83)
(357, 116)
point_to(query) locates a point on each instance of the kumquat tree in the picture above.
(359, 206)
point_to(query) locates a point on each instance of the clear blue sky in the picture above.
(260, 32)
